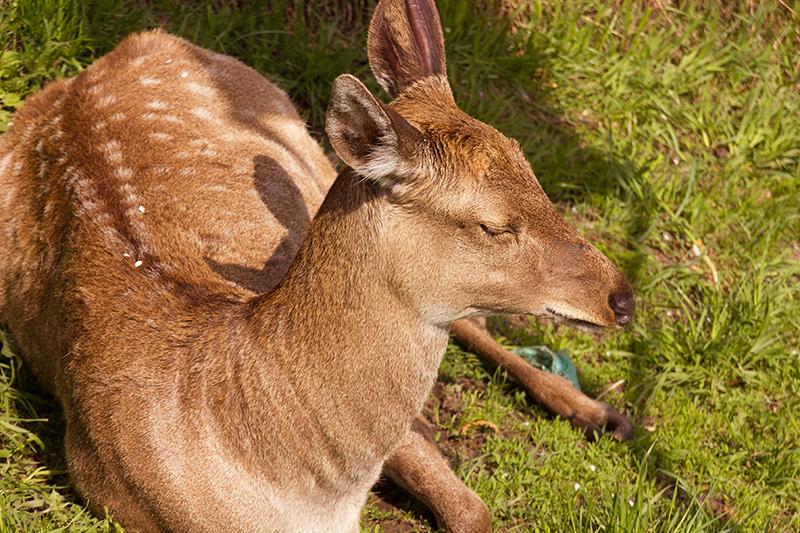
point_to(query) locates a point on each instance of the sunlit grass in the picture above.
(670, 136)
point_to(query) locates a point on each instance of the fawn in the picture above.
(238, 337)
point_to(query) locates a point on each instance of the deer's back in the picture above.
(162, 177)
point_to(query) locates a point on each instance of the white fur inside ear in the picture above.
(365, 137)
(385, 165)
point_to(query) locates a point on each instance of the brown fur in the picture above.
(151, 207)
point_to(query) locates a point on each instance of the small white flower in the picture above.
(141, 209)
(592, 468)
(577, 486)
(630, 502)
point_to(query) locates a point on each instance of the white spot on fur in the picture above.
(109, 234)
(161, 116)
(102, 219)
(112, 150)
(29, 132)
(96, 89)
(157, 105)
(43, 167)
(161, 169)
(87, 208)
(184, 75)
(138, 263)
(204, 149)
(147, 81)
(202, 90)
(117, 117)
(122, 173)
(107, 100)
(205, 114)
(130, 193)
(99, 126)
(160, 136)
(4, 162)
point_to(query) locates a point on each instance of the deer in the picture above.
(240, 338)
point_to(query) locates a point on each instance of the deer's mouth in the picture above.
(576, 323)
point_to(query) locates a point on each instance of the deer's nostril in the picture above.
(623, 305)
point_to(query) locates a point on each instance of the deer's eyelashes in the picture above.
(490, 231)
(496, 232)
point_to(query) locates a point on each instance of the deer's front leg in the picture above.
(552, 392)
(419, 468)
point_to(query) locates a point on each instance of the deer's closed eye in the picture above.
(496, 231)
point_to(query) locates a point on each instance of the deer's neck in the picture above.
(359, 361)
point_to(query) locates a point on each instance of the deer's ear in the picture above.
(373, 139)
(405, 44)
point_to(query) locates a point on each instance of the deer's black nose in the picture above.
(623, 304)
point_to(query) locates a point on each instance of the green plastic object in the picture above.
(557, 363)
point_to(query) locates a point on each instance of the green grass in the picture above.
(669, 135)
